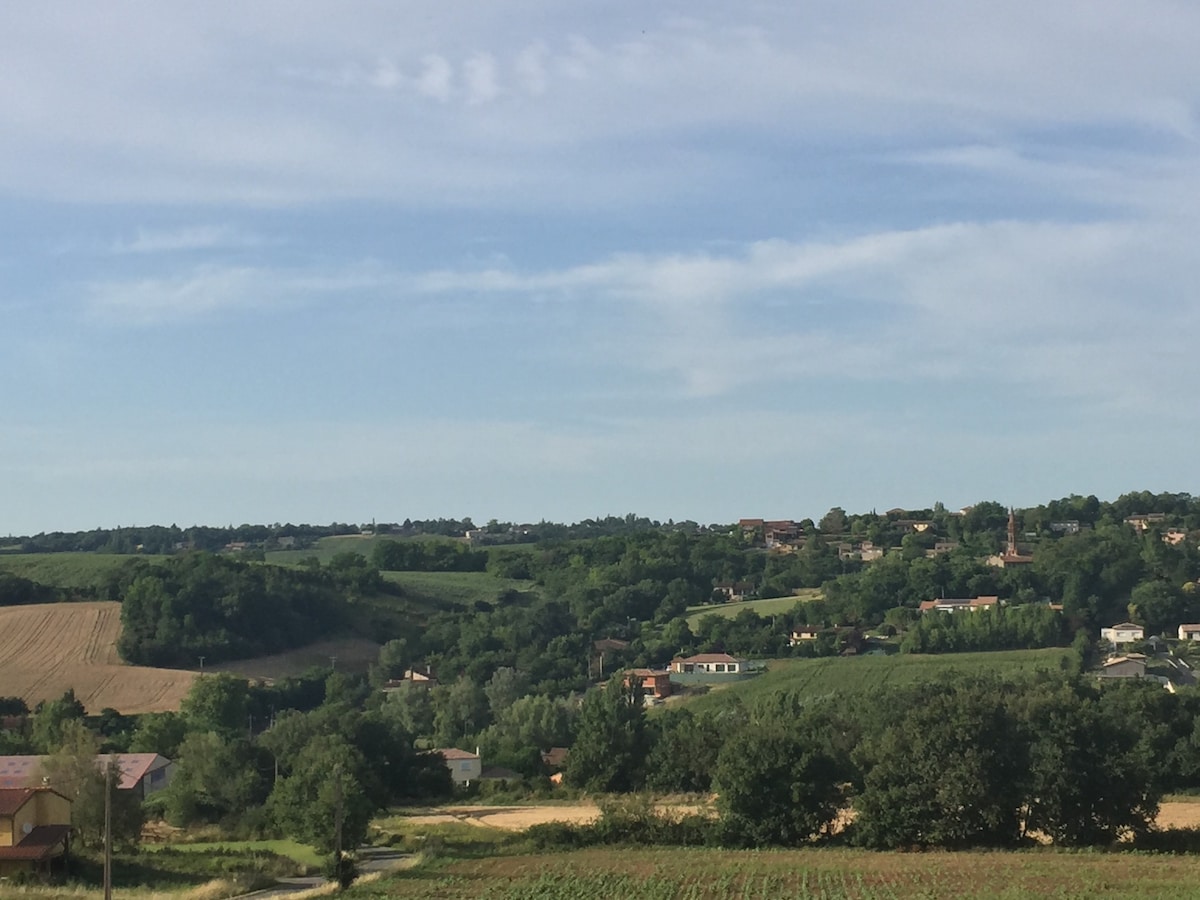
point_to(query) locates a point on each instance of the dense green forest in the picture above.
(198, 604)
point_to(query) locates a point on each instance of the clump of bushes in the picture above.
(629, 820)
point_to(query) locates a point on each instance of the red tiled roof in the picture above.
(455, 753)
(41, 842)
(12, 799)
(23, 771)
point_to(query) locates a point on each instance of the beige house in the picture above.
(804, 633)
(1189, 632)
(464, 767)
(35, 829)
(1142, 522)
(1125, 633)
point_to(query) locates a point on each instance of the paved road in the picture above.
(370, 859)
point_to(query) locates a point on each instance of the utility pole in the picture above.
(337, 823)
(108, 830)
(202, 667)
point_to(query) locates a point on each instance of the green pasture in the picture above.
(327, 548)
(67, 570)
(300, 853)
(770, 607)
(865, 674)
(442, 589)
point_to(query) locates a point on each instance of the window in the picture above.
(464, 766)
(720, 667)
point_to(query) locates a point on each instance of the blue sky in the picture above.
(296, 261)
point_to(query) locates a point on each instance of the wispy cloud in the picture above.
(206, 290)
(191, 238)
(366, 107)
(1016, 303)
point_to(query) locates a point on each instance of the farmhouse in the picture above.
(709, 663)
(1143, 521)
(1125, 633)
(959, 605)
(464, 767)
(655, 683)
(141, 772)
(802, 633)
(734, 591)
(1132, 666)
(35, 829)
(420, 676)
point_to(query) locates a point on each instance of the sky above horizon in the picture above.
(315, 262)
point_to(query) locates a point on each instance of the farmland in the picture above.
(769, 607)
(73, 571)
(864, 674)
(454, 589)
(48, 648)
(699, 874)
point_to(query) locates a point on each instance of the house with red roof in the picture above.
(35, 830)
(141, 772)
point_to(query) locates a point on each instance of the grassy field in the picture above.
(352, 655)
(300, 853)
(451, 589)
(862, 674)
(66, 570)
(830, 874)
(769, 607)
(326, 548)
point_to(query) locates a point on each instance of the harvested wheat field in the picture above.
(48, 648)
(1183, 813)
(351, 655)
(518, 818)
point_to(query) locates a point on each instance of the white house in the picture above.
(1125, 633)
(708, 662)
(959, 605)
(1189, 632)
(464, 767)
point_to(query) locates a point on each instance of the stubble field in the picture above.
(48, 648)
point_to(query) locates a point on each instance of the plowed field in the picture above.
(46, 649)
